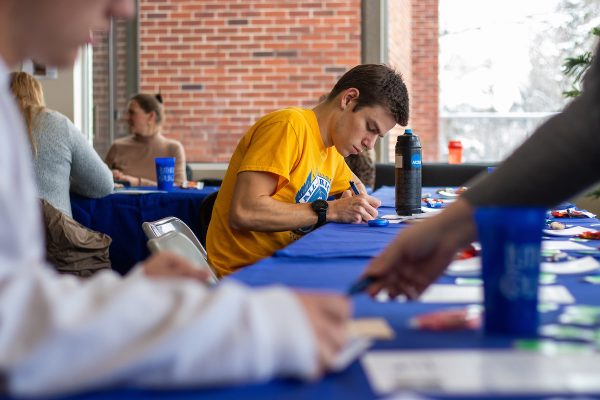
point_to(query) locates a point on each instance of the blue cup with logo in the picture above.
(165, 173)
(510, 240)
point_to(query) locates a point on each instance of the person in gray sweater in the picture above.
(64, 160)
(560, 159)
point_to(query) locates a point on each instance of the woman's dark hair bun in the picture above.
(159, 98)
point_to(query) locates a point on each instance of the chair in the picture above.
(211, 182)
(189, 173)
(178, 243)
(205, 214)
(385, 175)
(433, 174)
(164, 226)
(442, 174)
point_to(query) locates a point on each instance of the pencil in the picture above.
(361, 285)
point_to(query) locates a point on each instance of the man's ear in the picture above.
(347, 97)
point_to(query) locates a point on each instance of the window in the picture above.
(501, 69)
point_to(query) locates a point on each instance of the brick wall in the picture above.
(425, 85)
(221, 64)
(413, 50)
(399, 54)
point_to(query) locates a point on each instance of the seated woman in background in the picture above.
(63, 159)
(132, 158)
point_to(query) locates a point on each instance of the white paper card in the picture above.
(482, 372)
(393, 218)
(469, 266)
(562, 245)
(576, 230)
(472, 266)
(578, 266)
(450, 294)
(430, 210)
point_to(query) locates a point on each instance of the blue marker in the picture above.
(354, 188)
(379, 222)
(361, 285)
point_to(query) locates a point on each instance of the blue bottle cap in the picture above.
(378, 222)
(408, 131)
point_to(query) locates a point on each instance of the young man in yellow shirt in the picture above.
(287, 165)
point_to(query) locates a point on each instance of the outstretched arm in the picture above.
(254, 208)
(419, 255)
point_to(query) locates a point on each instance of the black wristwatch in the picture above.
(320, 208)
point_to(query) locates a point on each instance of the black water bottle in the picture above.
(408, 174)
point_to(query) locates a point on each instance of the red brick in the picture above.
(199, 45)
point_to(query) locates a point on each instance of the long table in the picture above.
(325, 270)
(120, 215)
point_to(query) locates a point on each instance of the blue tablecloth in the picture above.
(318, 244)
(120, 216)
(335, 273)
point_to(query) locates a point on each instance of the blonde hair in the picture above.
(30, 97)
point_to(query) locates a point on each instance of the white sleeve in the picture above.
(60, 333)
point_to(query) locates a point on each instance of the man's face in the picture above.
(358, 131)
(53, 30)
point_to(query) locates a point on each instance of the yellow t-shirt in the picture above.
(286, 143)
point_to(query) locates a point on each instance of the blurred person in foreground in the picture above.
(150, 328)
(131, 158)
(560, 159)
(63, 160)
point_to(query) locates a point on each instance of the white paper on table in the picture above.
(576, 230)
(431, 210)
(578, 266)
(469, 266)
(450, 294)
(471, 372)
(391, 217)
(472, 266)
(562, 245)
(394, 219)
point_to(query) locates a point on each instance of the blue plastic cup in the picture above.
(510, 240)
(165, 173)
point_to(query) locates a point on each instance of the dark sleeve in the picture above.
(560, 159)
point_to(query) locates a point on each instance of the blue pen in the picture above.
(354, 188)
(361, 285)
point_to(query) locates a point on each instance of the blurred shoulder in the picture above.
(49, 117)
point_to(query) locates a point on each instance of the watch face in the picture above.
(319, 205)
